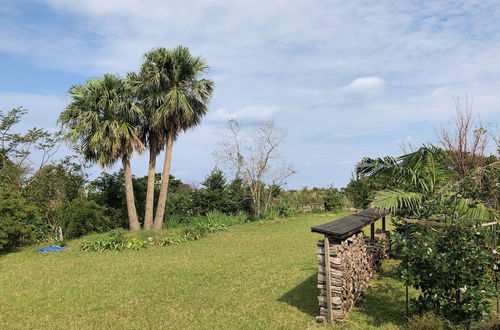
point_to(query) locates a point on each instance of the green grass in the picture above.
(253, 276)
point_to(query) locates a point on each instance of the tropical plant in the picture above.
(451, 264)
(102, 119)
(425, 186)
(174, 99)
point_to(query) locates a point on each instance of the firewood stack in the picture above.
(353, 262)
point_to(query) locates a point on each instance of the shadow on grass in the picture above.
(382, 304)
(304, 296)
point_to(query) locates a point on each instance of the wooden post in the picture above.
(383, 223)
(328, 281)
(495, 228)
(406, 284)
(372, 231)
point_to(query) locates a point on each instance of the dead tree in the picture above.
(466, 139)
(253, 154)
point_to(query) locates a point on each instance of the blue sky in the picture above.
(346, 79)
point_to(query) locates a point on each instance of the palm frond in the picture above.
(395, 200)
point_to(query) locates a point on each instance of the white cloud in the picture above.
(343, 78)
(364, 86)
(255, 113)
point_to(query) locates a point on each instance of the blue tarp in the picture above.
(51, 248)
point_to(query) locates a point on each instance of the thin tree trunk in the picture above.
(150, 193)
(162, 199)
(129, 196)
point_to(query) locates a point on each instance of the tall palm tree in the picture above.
(175, 99)
(150, 136)
(422, 177)
(102, 121)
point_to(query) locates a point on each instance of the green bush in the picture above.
(115, 241)
(196, 228)
(20, 223)
(284, 209)
(83, 216)
(179, 207)
(452, 266)
(334, 200)
(427, 321)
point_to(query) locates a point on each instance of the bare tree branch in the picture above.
(254, 157)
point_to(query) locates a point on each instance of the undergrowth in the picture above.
(195, 228)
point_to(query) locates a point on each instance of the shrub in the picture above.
(82, 216)
(334, 200)
(452, 266)
(284, 209)
(179, 207)
(272, 214)
(115, 241)
(427, 321)
(20, 223)
(197, 228)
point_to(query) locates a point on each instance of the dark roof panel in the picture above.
(350, 224)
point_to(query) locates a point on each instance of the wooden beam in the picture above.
(442, 224)
(372, 231)
(429, 223)
(383, 223)
(326, 243)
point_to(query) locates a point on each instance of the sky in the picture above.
(346, 79)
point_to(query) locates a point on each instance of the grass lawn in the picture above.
(253, 276)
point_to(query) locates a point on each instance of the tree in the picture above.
(53, 187)
(214, 196)
(16, 149)
(102, 118)
(174, 99)
(20, 222)
(82, 216)
(451, 264)
(423, 179)
(255, 158)
(466, 140)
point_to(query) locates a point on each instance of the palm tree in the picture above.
(422, 177)
(174, 99)
(101, 121)
(150, 136)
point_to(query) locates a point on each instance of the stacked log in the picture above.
(353, 262)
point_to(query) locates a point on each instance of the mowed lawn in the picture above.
(253, 276)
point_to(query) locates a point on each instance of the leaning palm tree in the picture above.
(422, 178)
(174, 98)
(101, 121)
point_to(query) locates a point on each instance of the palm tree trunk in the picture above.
(162, 199)
(129, 195)
(150, 193)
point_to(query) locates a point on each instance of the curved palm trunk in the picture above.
(150, 193)
(129, 195)
(162, 199)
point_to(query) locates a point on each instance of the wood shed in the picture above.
(347, 261)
